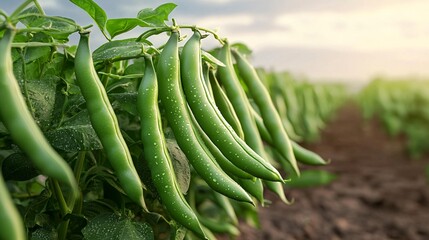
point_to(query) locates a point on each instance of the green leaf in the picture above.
(135, 68)
(44, 234)
(121, 25)
(95, 12)
(113, 227)
(92, 209)
(156, 17)
(136, 230)
(76, 134)
(58, 27)
(32, 54)
(126, 48)
(180, 164)
(76, 223)
(55, 26)
(93, 187)
(42, 95)
(126, 101)
(18, 167)
(57, 65)
(116, 189)
(33, 214)
(29, 19)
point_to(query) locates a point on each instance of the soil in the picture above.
(380, 193)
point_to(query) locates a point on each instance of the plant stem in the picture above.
(38, 44)
(67, 207)
(64, 210)
(215, 35)
(36, 3)
(105, 78)
(78, 168)
(62, 229)
(119, 77)
(125, 58)
(19, 9)
(79, 165)
(156, 31)
(153, 31)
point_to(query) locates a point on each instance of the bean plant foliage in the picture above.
(401, 105)
(44, 66)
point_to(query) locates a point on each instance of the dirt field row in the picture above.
(380, 193)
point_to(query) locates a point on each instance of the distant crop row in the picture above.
(402, 106)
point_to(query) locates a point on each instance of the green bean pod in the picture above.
(23, 129)
(156, 152)
(220, 227)
(12, 226)
(225, 106)
(226, 205)
(180, 121)
(210, 224)
(265, 135)
(237, 96)
(306, 156)
(269, 113)
(105, 123)
(212, 121)
(302, 155)
(207, 70)
(280, 105)
(224, 163)
(253, 187)
(243, 109)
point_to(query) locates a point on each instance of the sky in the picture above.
(330, 40)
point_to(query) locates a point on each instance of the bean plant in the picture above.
(401, 105)
(136, 140)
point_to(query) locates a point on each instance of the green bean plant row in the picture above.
(305, 107)
(135, 140)
(402, 106)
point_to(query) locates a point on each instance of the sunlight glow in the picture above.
(224, 22)
(398, 26)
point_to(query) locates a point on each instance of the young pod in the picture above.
(105, 123)
(269, 113)
(23, 129)
(212, 121)
(180, 121)
(156, 153)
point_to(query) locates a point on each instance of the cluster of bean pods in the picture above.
(217, 124)
(222, 116)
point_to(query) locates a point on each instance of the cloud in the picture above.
(328, 38)
(364, 25)
(396, 26)
(343, 65)
(50, 4)
(219, 1)
(221, 23)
